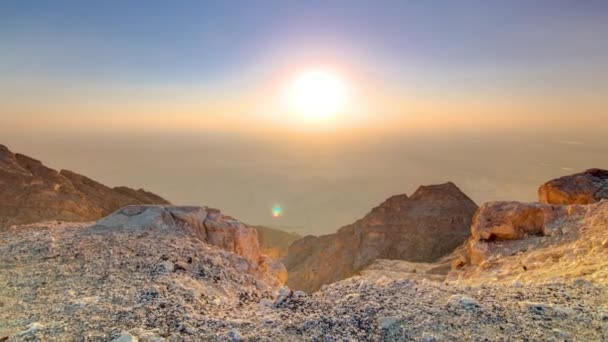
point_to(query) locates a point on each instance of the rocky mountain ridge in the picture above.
(31, 192)
(421, 228)
(527, 271)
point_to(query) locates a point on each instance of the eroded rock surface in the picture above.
(31, 192)
(147, 271)
(207, 224)
(526, 242)
(65, 282)
(586, 187)
(421, 228)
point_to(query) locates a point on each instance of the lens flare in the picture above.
(276, 211)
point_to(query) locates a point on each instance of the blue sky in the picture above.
(132, 60)
(148, 41)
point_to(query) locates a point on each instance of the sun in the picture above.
(316, 94)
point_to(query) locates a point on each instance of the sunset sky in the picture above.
(187, 98)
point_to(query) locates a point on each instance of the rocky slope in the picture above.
(530, 271)
(31, 192)
(162, 282)
(160, 270)
(514, 241)
(525, 242)
(421, 228)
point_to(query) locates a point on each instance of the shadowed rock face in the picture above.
(275, 242)
(422, 228)
(31, 192)
(586, 187)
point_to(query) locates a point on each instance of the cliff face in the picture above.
(421, 228)
(31, 192)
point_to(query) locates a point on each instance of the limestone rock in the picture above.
(513, 220)
(516, 242)
(505, 220)
(207, 224)
(421, 228)
(31, 192)
(586, 187)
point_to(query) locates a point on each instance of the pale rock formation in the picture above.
(207, 224)
(586, 187)
(514, 242)
(504, 220)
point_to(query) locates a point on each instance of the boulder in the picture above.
(421, 228)
(509, 220)
(586, 187)
(208, 224)
(506, 220)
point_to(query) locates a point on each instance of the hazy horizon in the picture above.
(319, 189)
(187, 100)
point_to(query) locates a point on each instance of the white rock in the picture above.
(463, 300)
(125, 337)
(387, 322)
(234, 336)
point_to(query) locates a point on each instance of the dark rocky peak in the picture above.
(445, 190)
(393, 203)
(31, 192)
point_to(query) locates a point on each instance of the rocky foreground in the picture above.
(66, 282)
(527, 272)
(181, 274)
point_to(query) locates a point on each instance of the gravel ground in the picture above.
(67, 282)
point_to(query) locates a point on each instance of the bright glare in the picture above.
(317, 94)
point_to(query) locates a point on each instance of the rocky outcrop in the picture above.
(505, 220)
(147, 272)
(514, 241)
(73, 282)
(31, 192)
(207, 224)
(586, 187)
(421, 228)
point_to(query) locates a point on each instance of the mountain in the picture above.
(421, 228)
(31, 192)
(528, 271)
